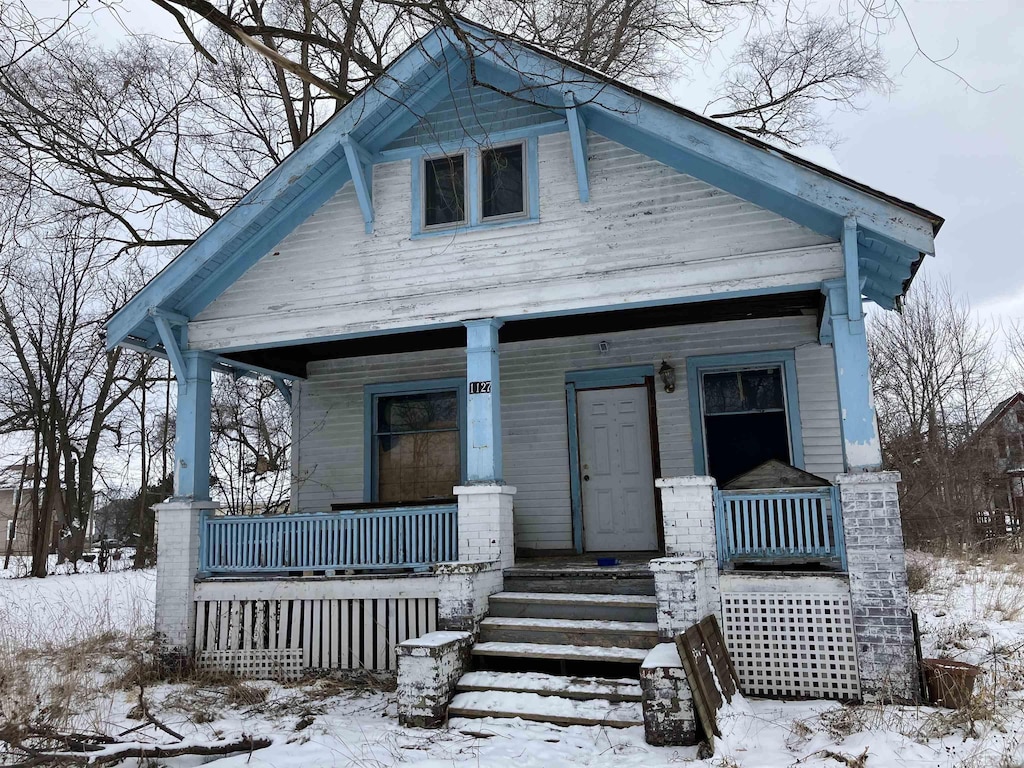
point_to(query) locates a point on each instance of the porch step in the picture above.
(610, 689)
(620, 581)
(553, 605)
(578, 632)
(561, 652)
(547, 709)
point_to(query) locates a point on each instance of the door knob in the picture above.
(586, 477)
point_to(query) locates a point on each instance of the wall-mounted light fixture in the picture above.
(668, 376)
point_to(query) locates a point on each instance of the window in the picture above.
(416, 445)
(444, 193)
(503, 181)
(486, 186)
(745, 420)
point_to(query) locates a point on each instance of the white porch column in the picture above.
(485, 524)
(686, 580)
(879, 595)
(177, 520)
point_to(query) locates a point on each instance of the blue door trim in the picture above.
(695, 366)
(370, 394)
(626, 376)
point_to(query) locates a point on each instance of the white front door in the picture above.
(616, 471)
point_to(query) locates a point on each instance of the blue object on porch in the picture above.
(408, 537)
(483, 439)
(607, 562)
(765, 526)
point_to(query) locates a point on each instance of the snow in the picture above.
(588, 625)
(969, 610)
(662, 655)
(588, 598)
(506, 703)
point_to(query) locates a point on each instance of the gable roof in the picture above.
(893, 235)
(999, 412)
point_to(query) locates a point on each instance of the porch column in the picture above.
(856, 404)
(483, 402)
(178, 519)
(879, 595)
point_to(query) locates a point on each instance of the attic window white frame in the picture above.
(524, 163)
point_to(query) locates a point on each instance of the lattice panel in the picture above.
(321, 634)
(280, 664)
(792, 645)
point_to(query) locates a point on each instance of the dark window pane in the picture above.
(444, 192)
(737, 443)
(751, 391)
(417, 413)
(502, 182)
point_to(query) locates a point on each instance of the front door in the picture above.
(616, 470)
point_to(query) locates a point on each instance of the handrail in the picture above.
(408, 537)
(780, 524)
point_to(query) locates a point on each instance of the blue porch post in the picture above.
(192, 428)
(856, 404)
(483, 403)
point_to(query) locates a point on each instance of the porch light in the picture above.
(668, 376)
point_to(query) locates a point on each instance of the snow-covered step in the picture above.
(620, 689)
(555, 605)
(637, 582)
(546, 709)
(619, 634)
(591, 653)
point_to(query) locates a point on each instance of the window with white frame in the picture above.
(481, 187)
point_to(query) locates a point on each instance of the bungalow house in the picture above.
(527, 316)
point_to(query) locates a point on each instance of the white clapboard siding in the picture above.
(329, 417)
(649, 233)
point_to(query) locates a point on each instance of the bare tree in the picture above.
(935, 374)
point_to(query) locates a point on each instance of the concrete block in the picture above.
(428, 669)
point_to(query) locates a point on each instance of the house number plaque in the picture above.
(479, 387)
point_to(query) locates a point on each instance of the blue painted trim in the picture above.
(472, 140)
(695, 366)
(171, 348)
(575, 487)
(839, 524)
(284, 389)
(361, 172)
(370, 394)
(483, 409)
(192, 428)
(851, 266)
(578, 141)
(598, 378)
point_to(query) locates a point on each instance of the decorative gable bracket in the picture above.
(578, 138)
(360, 165)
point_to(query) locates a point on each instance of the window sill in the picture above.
(464, 228)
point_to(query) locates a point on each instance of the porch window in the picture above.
(416, 445)
(745, 419)
(444, 191)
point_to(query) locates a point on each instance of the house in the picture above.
(1001, 439)
(526, 316)
(16, 508)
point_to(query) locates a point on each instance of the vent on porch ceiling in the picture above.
(281, 638)
(792, 645)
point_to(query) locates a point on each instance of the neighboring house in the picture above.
(553, 317)
(16, 509)
(1001, 438)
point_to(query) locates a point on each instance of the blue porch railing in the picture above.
(780, 525)
(406, 537)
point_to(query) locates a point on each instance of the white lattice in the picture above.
(792, 645)
(281, 664)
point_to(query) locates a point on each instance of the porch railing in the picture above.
(407, 537)
(780, 526)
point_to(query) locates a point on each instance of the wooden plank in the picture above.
(380, 633)
(317, 660)
(709, 670)
(307, 633)
(354, 633)
(392, 622)
(366, 660)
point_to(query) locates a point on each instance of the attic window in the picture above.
(503, 181)
(444, 192)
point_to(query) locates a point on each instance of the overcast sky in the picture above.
(933, 141)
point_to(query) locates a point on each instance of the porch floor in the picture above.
(632, 563)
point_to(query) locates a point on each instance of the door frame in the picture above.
(608, 378)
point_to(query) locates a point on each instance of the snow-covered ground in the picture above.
(74, 654)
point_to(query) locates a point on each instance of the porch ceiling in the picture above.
(292, 360)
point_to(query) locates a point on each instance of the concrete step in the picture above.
(632, 582)
(546, 709)
(554, 605)
(582, 632)
(610, 689)
(561, 652)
